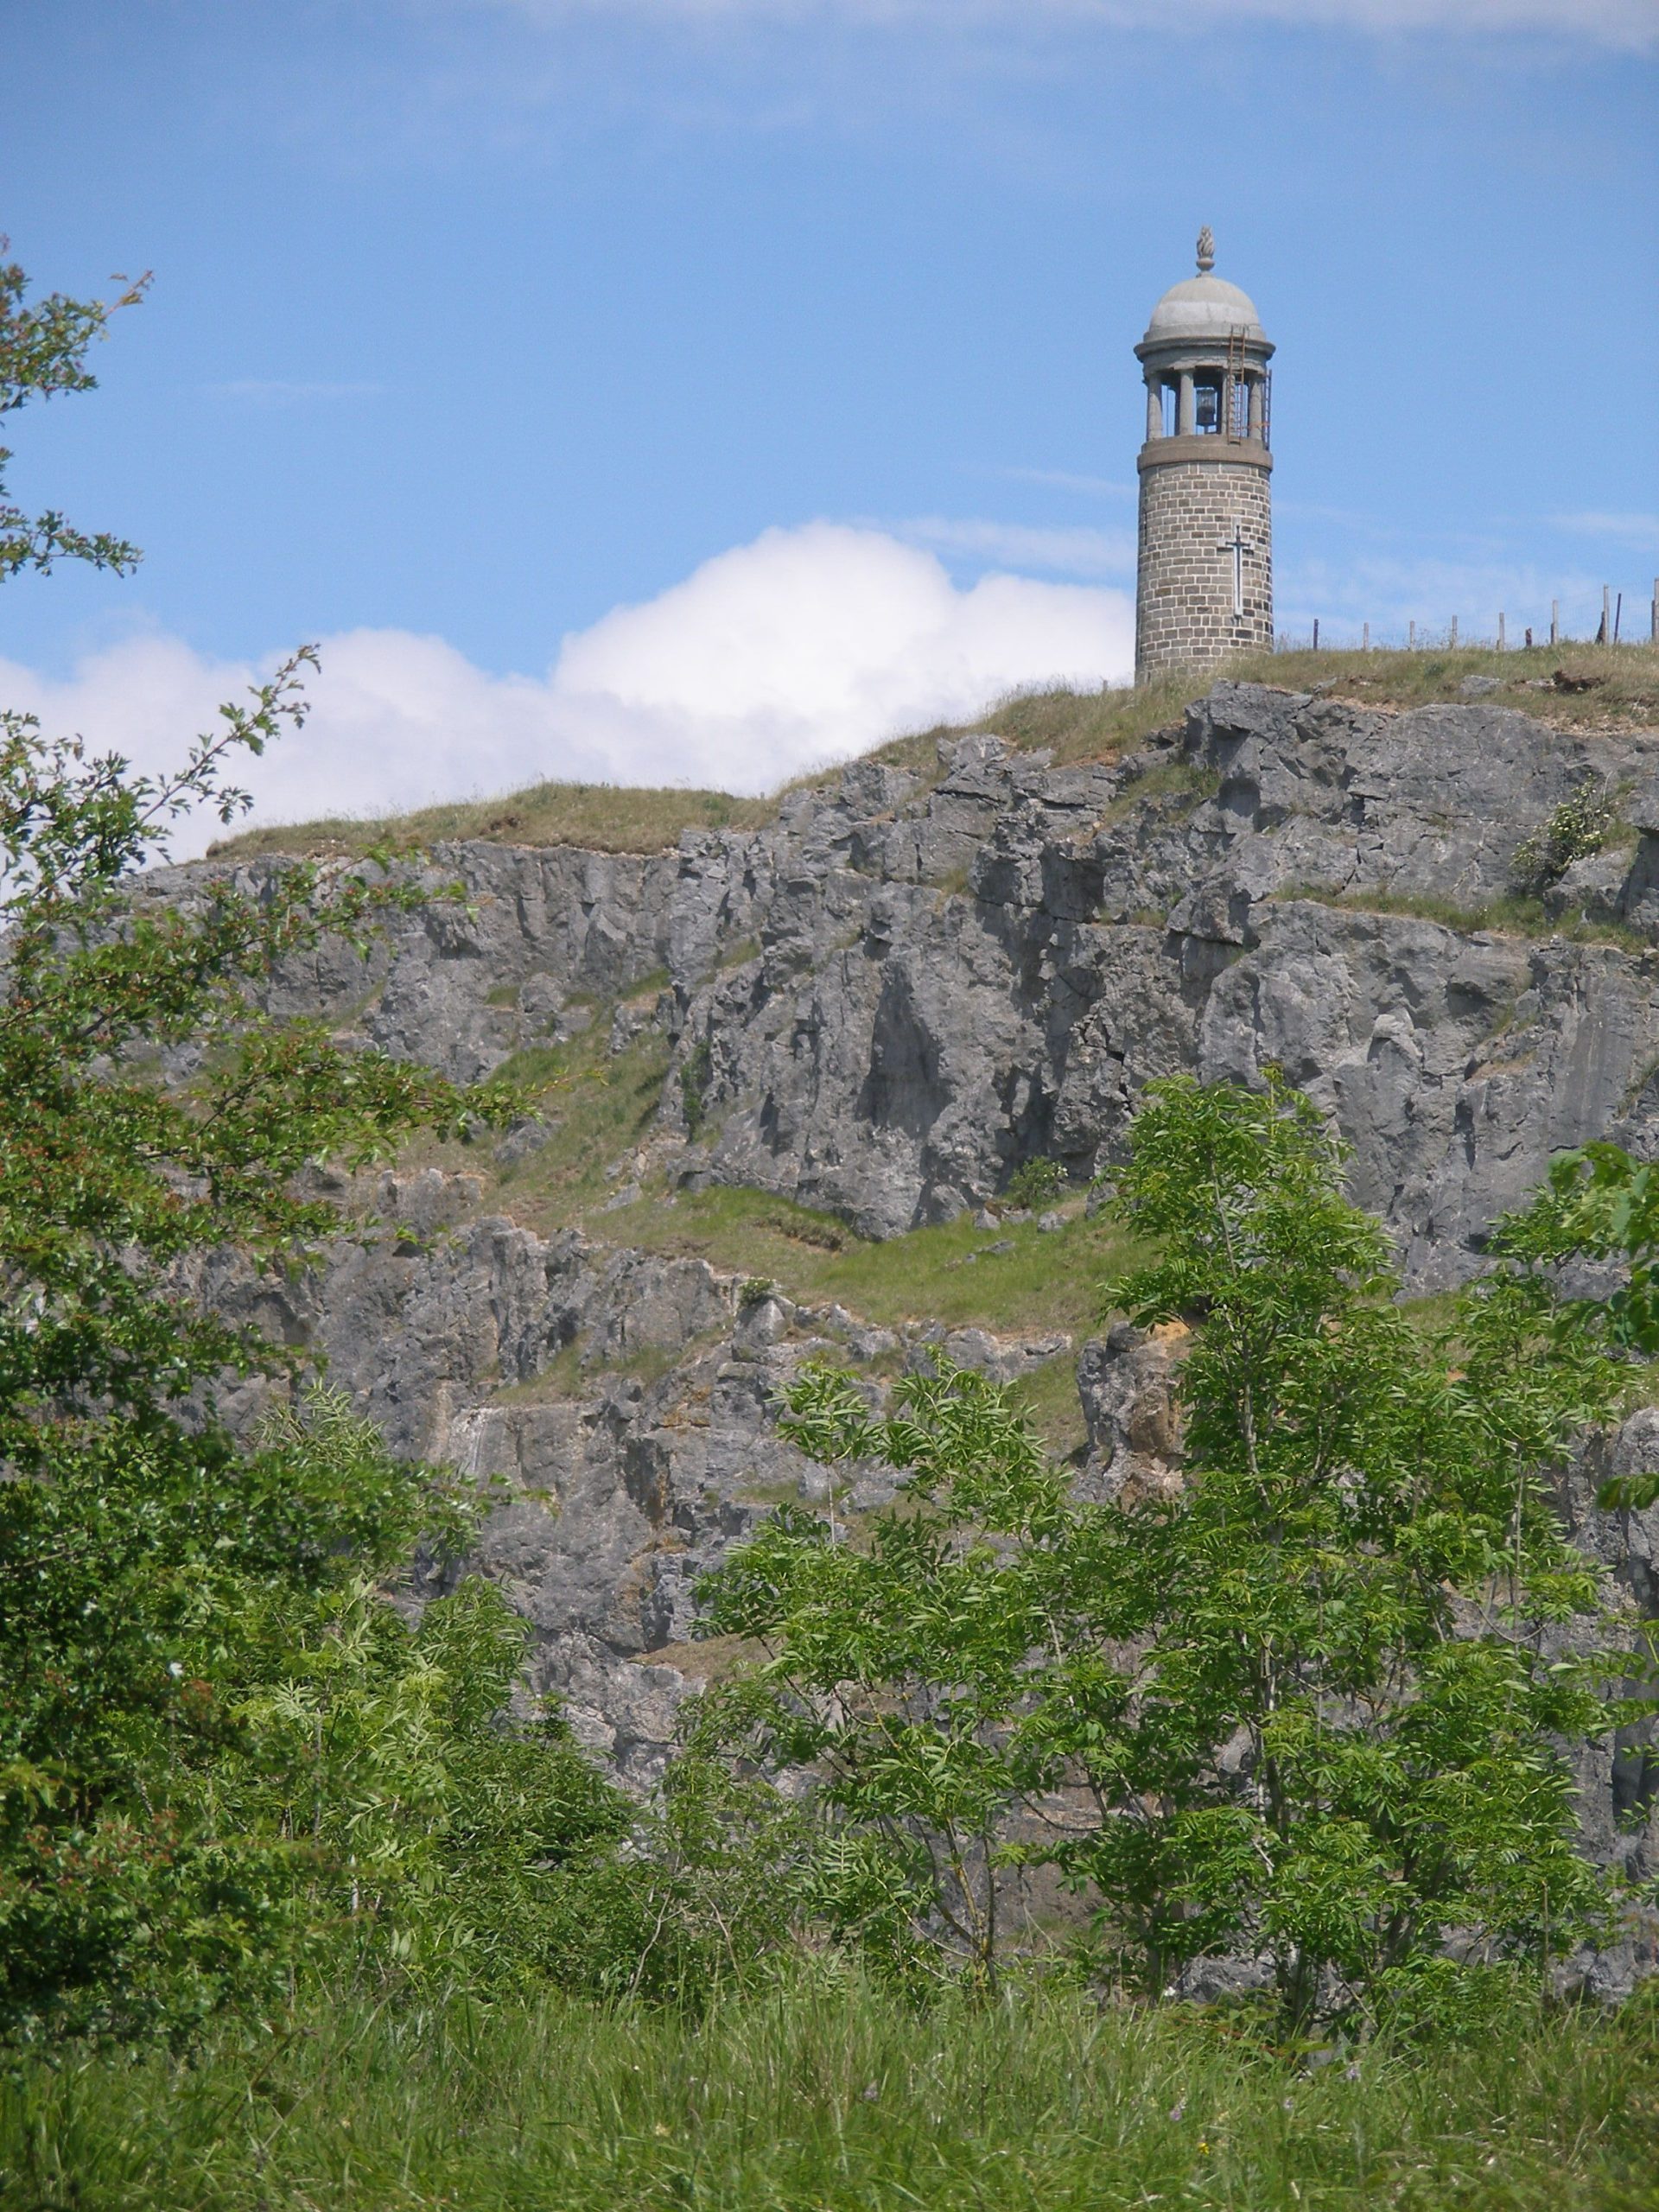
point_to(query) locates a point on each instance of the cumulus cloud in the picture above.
(809, 646)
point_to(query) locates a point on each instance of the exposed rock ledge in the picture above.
(887, 1000)
(884, 1002)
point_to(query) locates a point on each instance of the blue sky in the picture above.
(475, 322)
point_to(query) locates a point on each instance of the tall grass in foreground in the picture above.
(833, 2095)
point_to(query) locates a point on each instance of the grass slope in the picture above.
(599, 817)
(834, 2098)
(1015, 1279)
(1605, 688)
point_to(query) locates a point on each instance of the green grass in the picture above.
(600, 817)
(598, 1107)
(1072, 726)
(1049, 1394)
(1509, 916)
(595, 1105)
(833, 2098)
(1177, 779)
(1048, 1280)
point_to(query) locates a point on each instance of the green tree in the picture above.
(1337, 1740)
(900, 1656)
(1311, 1708)
(153, 1560)
(219, 1747)
(43, 349)
(1599, 1204)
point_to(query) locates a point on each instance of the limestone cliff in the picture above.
(877, 1009)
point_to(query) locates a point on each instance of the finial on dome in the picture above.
(1206, 250)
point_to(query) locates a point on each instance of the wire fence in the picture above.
(1625, 619)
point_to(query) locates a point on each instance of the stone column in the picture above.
(1258, 412)
(1154, 408)
(1185, 418)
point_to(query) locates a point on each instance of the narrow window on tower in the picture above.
(1238, 571)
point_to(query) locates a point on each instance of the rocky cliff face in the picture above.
(880, 1007)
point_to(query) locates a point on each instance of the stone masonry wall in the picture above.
(1184, 597)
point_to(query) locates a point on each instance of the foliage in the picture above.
(900, 1663)
(1308, 1708)
(437, 1827)
(708, 1897)
(697, 1072)
(139, 1538)
(43, 349)
(218, 1742)
(1578, 828)
(1035, 1183)
(832, 2092)
(1599, 1204)
(316, 1776)
(1338, 1739)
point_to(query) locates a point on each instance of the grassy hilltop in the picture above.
(1598, 687)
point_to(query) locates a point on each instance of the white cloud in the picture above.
(808, 646)
(1628, 23)
(1639, 529)
(1064, 550)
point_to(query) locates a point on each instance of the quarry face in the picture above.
(877, 1009)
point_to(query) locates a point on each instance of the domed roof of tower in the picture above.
(1203, 307)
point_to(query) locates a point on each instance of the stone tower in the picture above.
(1204, 584)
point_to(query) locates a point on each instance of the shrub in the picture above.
(1578, 828)
(1309, 1709)
(696, 1070)
(1036, 1183)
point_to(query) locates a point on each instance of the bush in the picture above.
(1578, 828)
(1035, 1184)
(1308, 1710)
